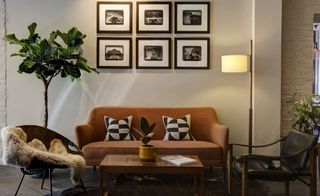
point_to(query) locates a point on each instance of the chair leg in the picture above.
(20, 184)
(245, 178)
(83, 187)
(287, 187)
(313, 171)
(224, 170)
(50, 179)
(43, 178)
(230, 170)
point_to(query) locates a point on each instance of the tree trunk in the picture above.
(45, 117)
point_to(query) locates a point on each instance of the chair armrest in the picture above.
(272, 158)
(84, 135)
(219, 134)
(257, 146)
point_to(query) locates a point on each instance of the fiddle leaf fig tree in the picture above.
(60, 54)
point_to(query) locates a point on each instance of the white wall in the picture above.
(3, 109)
(267, 69)
(70, 103)
(3, 97)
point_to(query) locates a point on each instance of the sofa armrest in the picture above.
(84, 135)
(219, 134)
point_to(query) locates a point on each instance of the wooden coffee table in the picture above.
(131, 164)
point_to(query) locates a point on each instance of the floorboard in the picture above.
(160, 185)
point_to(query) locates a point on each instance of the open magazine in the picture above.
(178, 159)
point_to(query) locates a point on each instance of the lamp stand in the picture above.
(251, 100)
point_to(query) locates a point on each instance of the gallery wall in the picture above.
(231, 30)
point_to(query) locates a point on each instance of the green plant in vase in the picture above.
(307, 113)
(147, 152)
(60, 54)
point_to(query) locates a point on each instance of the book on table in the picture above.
(178, 159)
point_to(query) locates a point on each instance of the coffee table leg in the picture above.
(101, 180)
(201, 184)
(196, 184)
(107, 184)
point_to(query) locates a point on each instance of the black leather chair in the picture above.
(292, 163)
(46, 136)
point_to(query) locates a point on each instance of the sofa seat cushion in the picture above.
(204, 150)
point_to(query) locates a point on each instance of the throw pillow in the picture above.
(118, 129)
(177, 129)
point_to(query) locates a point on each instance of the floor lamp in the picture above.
(241, 64)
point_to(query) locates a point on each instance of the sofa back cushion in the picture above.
(202, 119)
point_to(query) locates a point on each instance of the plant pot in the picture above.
(147, 152)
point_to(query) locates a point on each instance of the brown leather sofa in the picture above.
(211, 138)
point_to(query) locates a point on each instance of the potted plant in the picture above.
(60, 54)
(147, 152)
(307, 113)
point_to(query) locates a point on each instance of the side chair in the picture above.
(46, 135)
(297, 161)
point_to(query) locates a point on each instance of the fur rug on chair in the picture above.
(17, 152)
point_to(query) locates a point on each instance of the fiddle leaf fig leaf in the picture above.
(63, 36)
(75, 37)
(63, 74)
(53, 36)
(45, 48)
(72, 70)
(12, 39)
(27, 66)
(21, 54)
(32, 29)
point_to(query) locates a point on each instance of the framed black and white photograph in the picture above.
(114, 53)
(192, 17)
(192, 53)
(153, 53)
(114, 17)
(153, 17)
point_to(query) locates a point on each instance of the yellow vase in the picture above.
(147, 152)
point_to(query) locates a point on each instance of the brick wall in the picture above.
(3, 109)
(297, 53)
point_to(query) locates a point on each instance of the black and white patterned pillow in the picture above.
(177, 129)
(118, 129)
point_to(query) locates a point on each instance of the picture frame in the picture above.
(192, 17)
(192, 53)
(153, 53)
(153, 17)
(114, 53)
(114, 17)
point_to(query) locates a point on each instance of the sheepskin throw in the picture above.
(17, 152)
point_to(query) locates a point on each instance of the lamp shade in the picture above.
(234, 63)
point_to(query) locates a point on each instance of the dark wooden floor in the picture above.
(162, 185)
